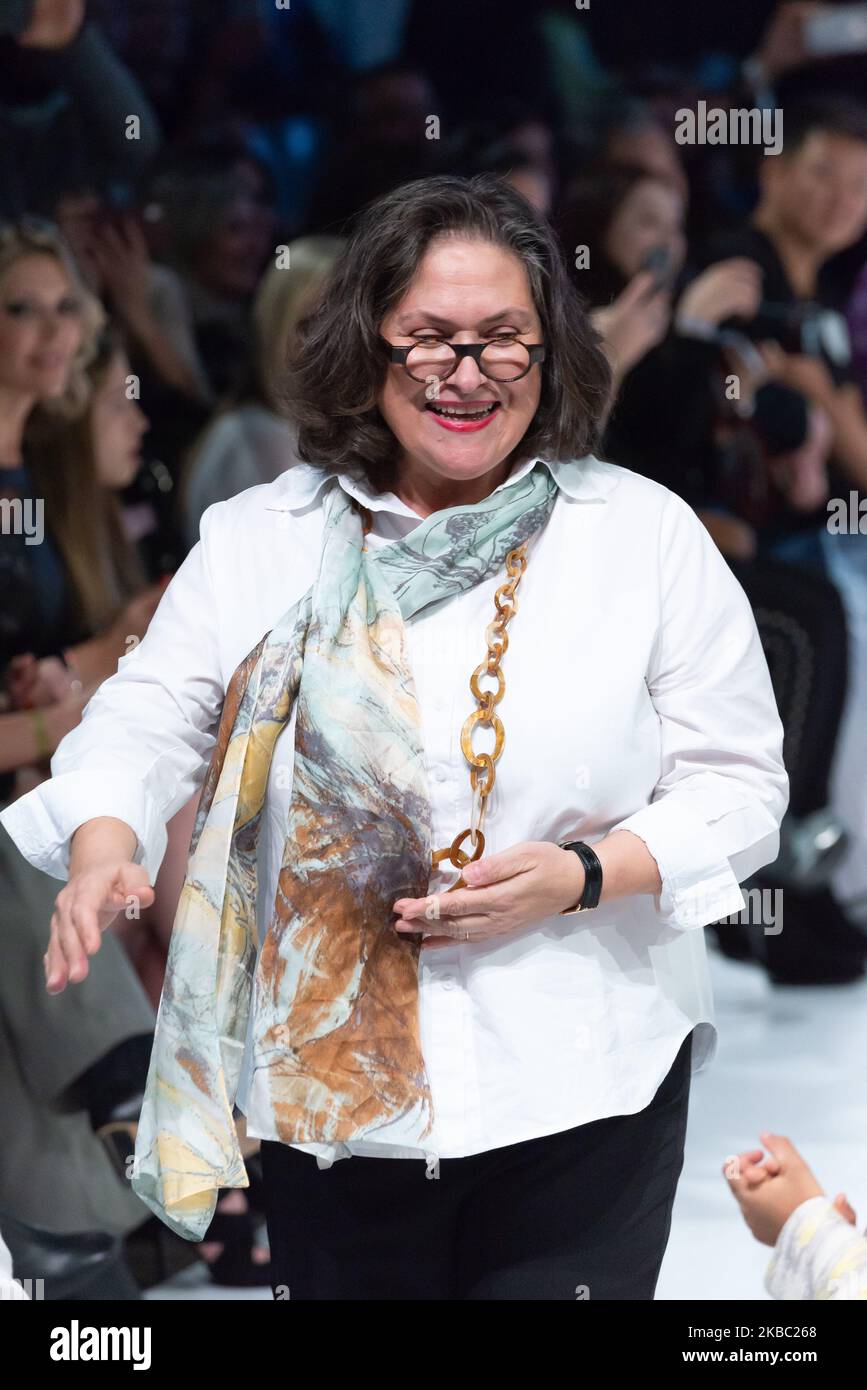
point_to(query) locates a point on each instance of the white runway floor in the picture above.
(792, 1061)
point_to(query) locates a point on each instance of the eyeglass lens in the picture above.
(500, 361)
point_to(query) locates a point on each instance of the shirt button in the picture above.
(440, 774)
(449, 982)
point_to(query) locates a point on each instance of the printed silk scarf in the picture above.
(336, 1048)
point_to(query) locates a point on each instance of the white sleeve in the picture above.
(141, 749)
(715, 812)
(818, 1255)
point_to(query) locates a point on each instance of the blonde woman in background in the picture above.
(251, 440)
(59, 636)
(69, 606)
(79, 466)
(53, 608)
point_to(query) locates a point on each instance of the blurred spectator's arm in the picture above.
(633, 324)
(103, 91)
(728, 289)
(95, 660)
(30, 736)
(782, 48)
(171, 311)
(151, 301)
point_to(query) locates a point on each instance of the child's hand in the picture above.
(769, 1191)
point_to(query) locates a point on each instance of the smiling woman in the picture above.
(449, 558)
(447, 261)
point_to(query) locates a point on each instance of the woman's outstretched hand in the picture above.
(84, 907)
(510, 890)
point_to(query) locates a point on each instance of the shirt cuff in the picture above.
(43, 821)
(698, 883)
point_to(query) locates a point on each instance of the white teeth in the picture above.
(460, 414)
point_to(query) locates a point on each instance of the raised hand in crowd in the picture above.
(118, 253)
(728, 289)
(634, 322)
(783, 44)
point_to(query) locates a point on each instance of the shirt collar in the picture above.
(583, 480)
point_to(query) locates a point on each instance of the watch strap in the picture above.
(592, 877)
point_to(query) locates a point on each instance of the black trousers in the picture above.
(583, 1214)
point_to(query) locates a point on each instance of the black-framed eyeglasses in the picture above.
(505, 359)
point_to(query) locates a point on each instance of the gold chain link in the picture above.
(482, 771)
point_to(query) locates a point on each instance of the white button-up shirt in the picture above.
(637, 697)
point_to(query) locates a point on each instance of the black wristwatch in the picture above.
(592, 877)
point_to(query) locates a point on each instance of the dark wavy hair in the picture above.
(339, 363)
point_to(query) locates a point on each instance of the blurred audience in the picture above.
(200, 166)
(216, 230)
(69, 109)
(250, 440)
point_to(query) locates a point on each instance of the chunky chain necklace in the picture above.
(482, 770)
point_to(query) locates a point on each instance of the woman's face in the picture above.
(117, 425)
(650, 216)
(40, 327)
(465, 292)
